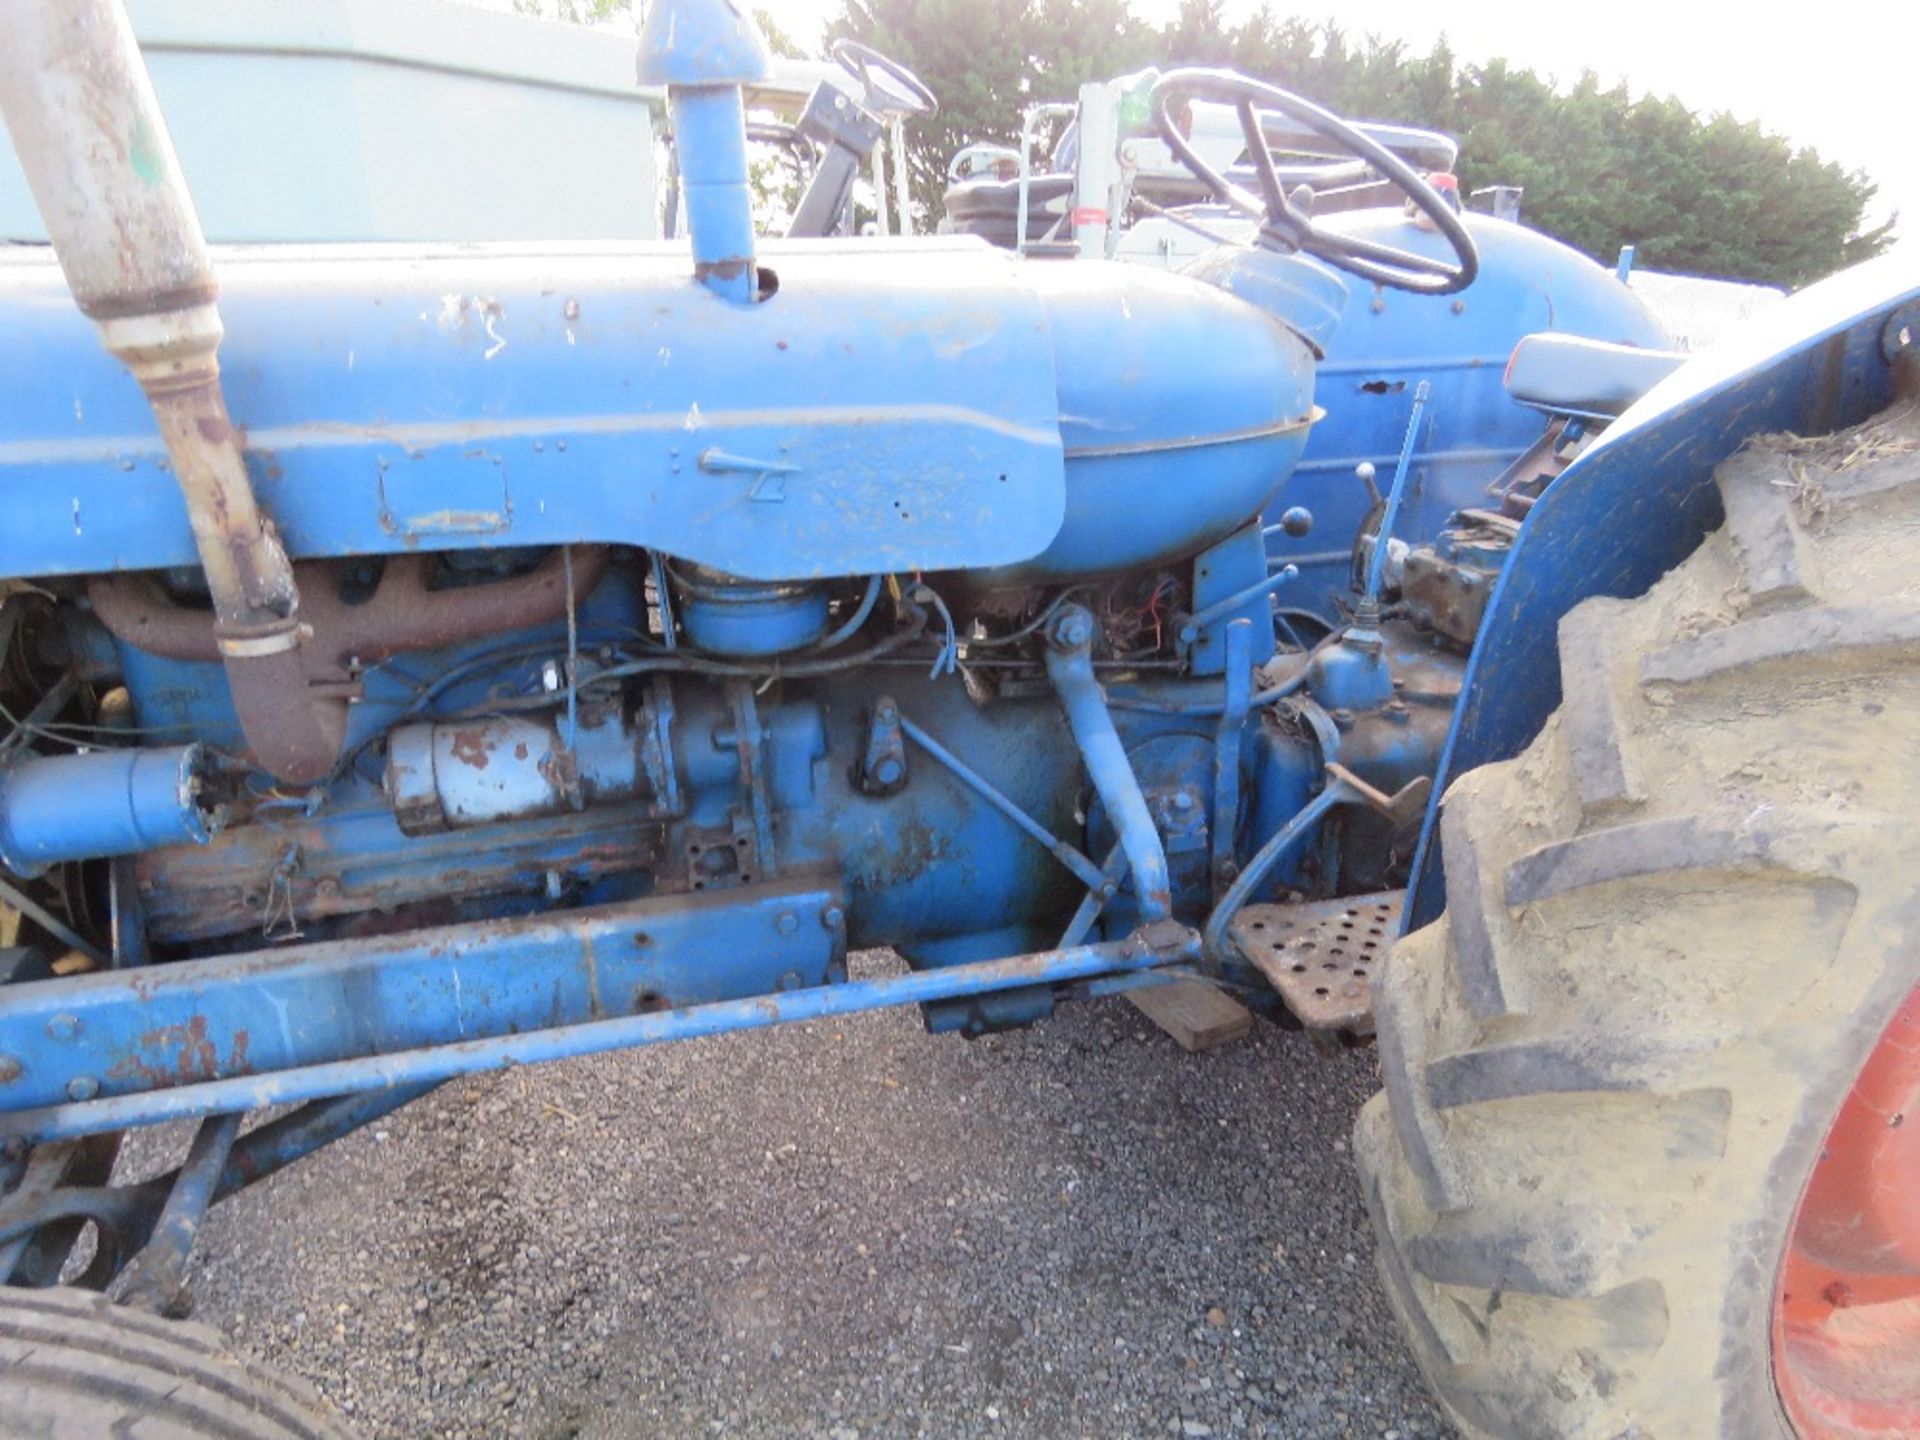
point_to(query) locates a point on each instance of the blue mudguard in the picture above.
(1640, 500)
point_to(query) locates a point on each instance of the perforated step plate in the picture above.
(1322, 957)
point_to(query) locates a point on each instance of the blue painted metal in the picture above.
(1210, 706)
(1070, 667)
(1307, 295)
(55, 808)
(1180, 409)
(931, 862)
(486, 398)
(434, 400)
(1638, 501)
(1156, 946)
(1175, 765)
(1230, 581)
(1083, 868)
(701, 43)
(189, 699)
(1113, 870)
(1354, 673)
(1396, 496)
(1388, 341)
(750, 619)
(1228, 746)
(1217, 947)
(710, 137)
(1221, 609)
(127, 1033)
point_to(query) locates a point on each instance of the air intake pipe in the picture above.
(80, 106)
(703, 51)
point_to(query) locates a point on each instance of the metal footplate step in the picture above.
(1322, 957)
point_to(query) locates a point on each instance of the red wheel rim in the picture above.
(1846, 1314)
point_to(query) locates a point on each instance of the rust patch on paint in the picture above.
(470, 748)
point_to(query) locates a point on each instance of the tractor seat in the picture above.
(1571, 375)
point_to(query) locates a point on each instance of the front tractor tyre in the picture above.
(76, 1366)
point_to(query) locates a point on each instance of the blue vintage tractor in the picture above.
(422, 660)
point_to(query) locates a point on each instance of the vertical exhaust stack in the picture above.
(76, 97)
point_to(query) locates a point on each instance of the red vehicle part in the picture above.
(1846, 1316)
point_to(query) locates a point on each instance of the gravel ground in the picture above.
(848, 1229)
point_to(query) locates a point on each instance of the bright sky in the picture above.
(1839, 79)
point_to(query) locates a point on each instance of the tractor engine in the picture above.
(603, 619)
(570, 633)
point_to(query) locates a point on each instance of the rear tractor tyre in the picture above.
(1648, 1159)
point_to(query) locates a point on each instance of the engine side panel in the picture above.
(886, 410)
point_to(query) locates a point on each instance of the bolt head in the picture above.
(1073, 629)
(1183, 800)
(886, 714)
(887, 772)
(10, 1069)
(787, 922)
(833, 917)
(63, 1027)
(82, 1087)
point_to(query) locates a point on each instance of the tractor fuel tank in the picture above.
(891, 406)
(1182, 409)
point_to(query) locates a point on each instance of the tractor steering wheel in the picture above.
(1285, 225)
(888, 87)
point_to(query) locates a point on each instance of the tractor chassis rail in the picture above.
(122, 1048)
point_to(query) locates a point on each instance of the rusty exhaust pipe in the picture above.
(78, 101)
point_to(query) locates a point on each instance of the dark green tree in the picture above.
(1601, 169)
(1710, 195)
(987, 60)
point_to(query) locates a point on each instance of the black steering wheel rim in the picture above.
(908, 91)
(1283, 224)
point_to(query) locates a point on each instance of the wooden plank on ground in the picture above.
(1196, 1014)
